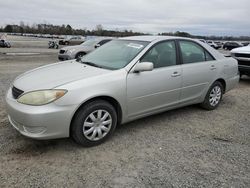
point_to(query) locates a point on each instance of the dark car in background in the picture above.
(231, 45)
(245, 43)
(4, 44)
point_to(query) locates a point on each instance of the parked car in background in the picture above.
(74, 40)
(74, 52)
(123, 80)
(4, 44)
(245, 43)
(219, 43)
(213, 44)
(202, 40)
(53, 44)
(231, 45)
(242, 54)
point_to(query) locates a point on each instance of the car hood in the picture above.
(78, 47)
(53, 75)
(245, 49)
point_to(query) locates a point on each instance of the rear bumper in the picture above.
(232, 82)
(39, 122)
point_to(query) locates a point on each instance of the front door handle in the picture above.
(212, 67)
(175, 74)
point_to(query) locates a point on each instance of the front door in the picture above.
(148, 92)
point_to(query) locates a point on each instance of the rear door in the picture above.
(72, 41)
(199, 69)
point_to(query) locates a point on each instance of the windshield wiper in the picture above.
(91, 64)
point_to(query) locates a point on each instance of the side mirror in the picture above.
(97, 45)
(144, 66)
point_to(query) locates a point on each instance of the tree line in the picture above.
(65, 30)
(213, 37)
(46, 28)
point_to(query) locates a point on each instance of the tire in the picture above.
(80, 54)
(210, 102)
(241, 75)
(88, 129)
(66, 43)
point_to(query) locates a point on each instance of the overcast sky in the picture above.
(205, 17)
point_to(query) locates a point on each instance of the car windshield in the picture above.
(115, 54)
(90, 42)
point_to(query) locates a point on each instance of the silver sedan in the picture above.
(123, 80)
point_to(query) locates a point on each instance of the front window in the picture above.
(115, 54)
(161, 55)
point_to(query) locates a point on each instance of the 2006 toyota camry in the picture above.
(123, 80)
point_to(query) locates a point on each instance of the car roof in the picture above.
(105, 38)
(150, 38)
(156, 38)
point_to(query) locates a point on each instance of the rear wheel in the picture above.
(213, 97)
(94, 123)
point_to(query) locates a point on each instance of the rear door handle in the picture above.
(212, 67)
(175, 74)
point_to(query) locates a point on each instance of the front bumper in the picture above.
(244, 65)
(244, 69)
(40, 122)
(64, 57)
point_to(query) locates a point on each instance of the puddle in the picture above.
(222, 139)
(22, 53)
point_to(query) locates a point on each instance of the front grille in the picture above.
(16, 92)
(242, 55)
(62, 51)
(245, 63)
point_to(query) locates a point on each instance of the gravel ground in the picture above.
(187, 147)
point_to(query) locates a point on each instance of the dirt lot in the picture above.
(188, 147)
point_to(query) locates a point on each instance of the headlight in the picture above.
(41, 97)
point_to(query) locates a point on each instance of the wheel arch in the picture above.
(80, 52)
(109, 99)
(223, 82)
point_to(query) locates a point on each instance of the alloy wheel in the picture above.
(97, 125)
(215, 96)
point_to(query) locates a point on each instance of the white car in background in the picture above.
(203, 40)
(74, 52)
(213, 44)
(242, 54)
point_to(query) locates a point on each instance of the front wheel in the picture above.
(80, 55)
(213, 97)
(94, 123)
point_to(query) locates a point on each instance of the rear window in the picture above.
(193, 53)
